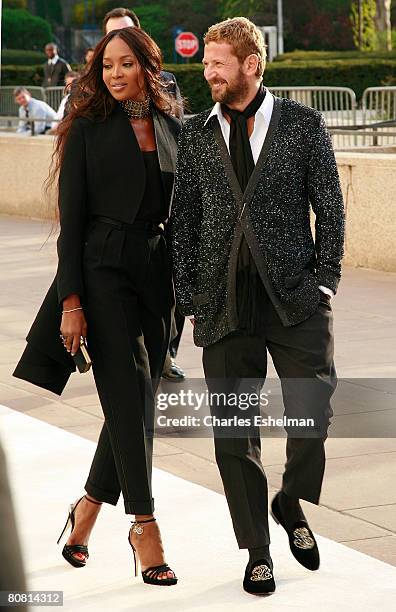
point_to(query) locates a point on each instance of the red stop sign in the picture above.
(186, 44)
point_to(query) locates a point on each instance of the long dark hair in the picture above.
(90, 97)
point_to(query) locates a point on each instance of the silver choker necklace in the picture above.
(136, 109)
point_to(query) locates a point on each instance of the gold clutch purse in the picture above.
(81, 358)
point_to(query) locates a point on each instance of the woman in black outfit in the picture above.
(115, 154)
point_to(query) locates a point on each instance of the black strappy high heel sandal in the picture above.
(149, 575)
(69, 550)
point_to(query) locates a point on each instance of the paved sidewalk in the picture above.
(201, 551)
(358, 503)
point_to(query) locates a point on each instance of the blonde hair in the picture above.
(244, 37)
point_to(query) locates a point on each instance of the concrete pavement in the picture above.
(197, 534)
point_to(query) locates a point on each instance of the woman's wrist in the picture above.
(77, 309)
(72, 301)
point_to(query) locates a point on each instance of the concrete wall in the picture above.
(24, 163)
(368, 183)
(369, 187)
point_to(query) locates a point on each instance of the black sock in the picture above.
(262, 552)
(290, 509)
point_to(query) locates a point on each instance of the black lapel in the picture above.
(251, 186)
(165, 129)
(260, 162)
(166, 143)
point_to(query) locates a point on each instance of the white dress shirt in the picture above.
(53, 60)
(261, 122)
(61, 111)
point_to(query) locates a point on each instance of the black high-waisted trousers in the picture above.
(303, 358)
(128, 303)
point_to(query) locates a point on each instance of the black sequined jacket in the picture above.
(296, 170)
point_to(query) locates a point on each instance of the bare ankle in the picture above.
(93, 499)
(143, 517)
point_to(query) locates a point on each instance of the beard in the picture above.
(232, 92)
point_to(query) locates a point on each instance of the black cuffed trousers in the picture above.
(303, 358)
(128, 301)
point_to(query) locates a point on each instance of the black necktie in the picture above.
(250, 290)
(240, 150)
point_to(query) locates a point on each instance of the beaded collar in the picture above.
(136, 109)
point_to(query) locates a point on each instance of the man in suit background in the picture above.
(249, 273)
(119, 18)
(55, 68)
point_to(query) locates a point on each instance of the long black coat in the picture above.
(296, 170)
(103, 173)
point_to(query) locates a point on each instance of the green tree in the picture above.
(21, 30)
(15, 4)
(154, 20)
(317, 24)
(158, 17)
(332, 5)
(95, 11)
(50, 10)
(104, 6)
(236, 8)
(363, 24)
(83, 11)
(308, 24)
(194, 16)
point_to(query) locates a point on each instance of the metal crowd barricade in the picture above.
(13, 122)
(50, 95)
(378, 105)
(53, 96)
(338, 105)
(8, 107)
(7, 102)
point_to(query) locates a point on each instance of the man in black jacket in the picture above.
(250, 274)
(55, 68)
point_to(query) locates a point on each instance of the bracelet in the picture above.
(71, 310)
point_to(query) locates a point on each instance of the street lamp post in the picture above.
(280, 27)
(176, 30)
(89, 14)
(360, 11)
(85, 13)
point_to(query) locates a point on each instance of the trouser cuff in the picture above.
(253, 543)
(101, 495)
(139, 507)
(311, 497)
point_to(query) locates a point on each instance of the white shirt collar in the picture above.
(53, 60)
(265, 109)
